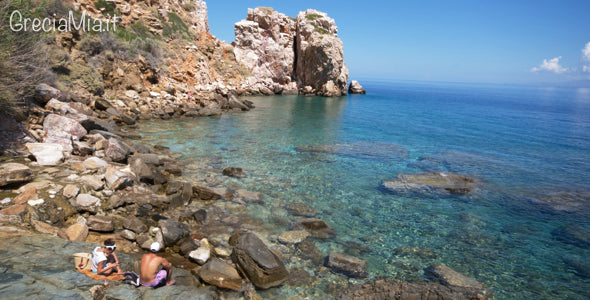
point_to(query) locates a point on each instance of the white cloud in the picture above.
(586, 57)
(551, 65)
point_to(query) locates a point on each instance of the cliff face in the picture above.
(264, 44)
(320, 55)
(288, 55)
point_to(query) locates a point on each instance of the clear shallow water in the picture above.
(522, 142)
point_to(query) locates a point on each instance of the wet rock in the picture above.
(143, 172)
(92, 163)
(222, 252)
(71, 191)
(205, 193)
(249, 196)
(45, 92)
(134, 224)
(102, 104)
(347, 264)
(87, 202)
(117, 150)
(301, 209)
(26, 195)
(46, 154)
(316, 227)
(308, 250)
(449, 277)
(201, 255)
(118, 179)
(356, 88)
(293, 237)
(234, 172)
(364, 150)
(442, 183)
(147, 158)
(13, 173)
(200, 216)
(172, 231)
(218, 273)
(77, 232)
(574, 235)
(101, 224)
(260, 264)
(392, 289)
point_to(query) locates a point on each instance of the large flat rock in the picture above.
(442, 183)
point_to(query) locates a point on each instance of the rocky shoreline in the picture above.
(89, 177)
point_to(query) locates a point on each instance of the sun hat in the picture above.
(155, 247)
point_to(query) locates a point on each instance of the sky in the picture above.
(516, 41)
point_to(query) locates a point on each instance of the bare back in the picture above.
(149, 266)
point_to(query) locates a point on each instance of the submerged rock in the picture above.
(427, 183)
(566, 201)
(260, 264)
(234, 172)
(450, 277)
(364, 150)
(316, 227)
(580, 265)
(574, 235)
(393, 289)
(347, 264)
(301, 209)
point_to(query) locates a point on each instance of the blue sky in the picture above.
(497, 41)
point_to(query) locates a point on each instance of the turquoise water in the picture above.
(523, 143)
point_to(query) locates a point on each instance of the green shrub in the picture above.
(175, 28)
(108, 8)
(313, 17)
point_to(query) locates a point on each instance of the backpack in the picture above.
(132, 278)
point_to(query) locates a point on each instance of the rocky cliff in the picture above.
(288, 55)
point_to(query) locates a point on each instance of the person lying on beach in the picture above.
(104, 260)
(150, 263)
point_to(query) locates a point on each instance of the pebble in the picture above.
(36, 202)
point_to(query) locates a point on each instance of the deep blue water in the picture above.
(523, 143)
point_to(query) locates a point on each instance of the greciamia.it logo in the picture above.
(20, 23)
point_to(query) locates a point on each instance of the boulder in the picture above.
(440, 183)
(128, 235)
(118, 179)
(14, 173)
(172, 231)
(14, 210)
(258, 263)
(218, 273)
(102, 104)
(87, 202)
(134, 224)
(92, 163)
(201, 255)
(101, 224)
(28, 194)
(293, 237)
(77, 232)
(62, 130)
(141, 170)
(316, 227)
(188, 246)
(46, 154)
(347, 264)
(356, 88)
(45, 92)
(117, 150)
(82, 148)
(234, 172)
(45, 228)
(449, 277)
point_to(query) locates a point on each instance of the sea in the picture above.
(524, 232)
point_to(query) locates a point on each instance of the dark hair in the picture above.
(109, 242)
